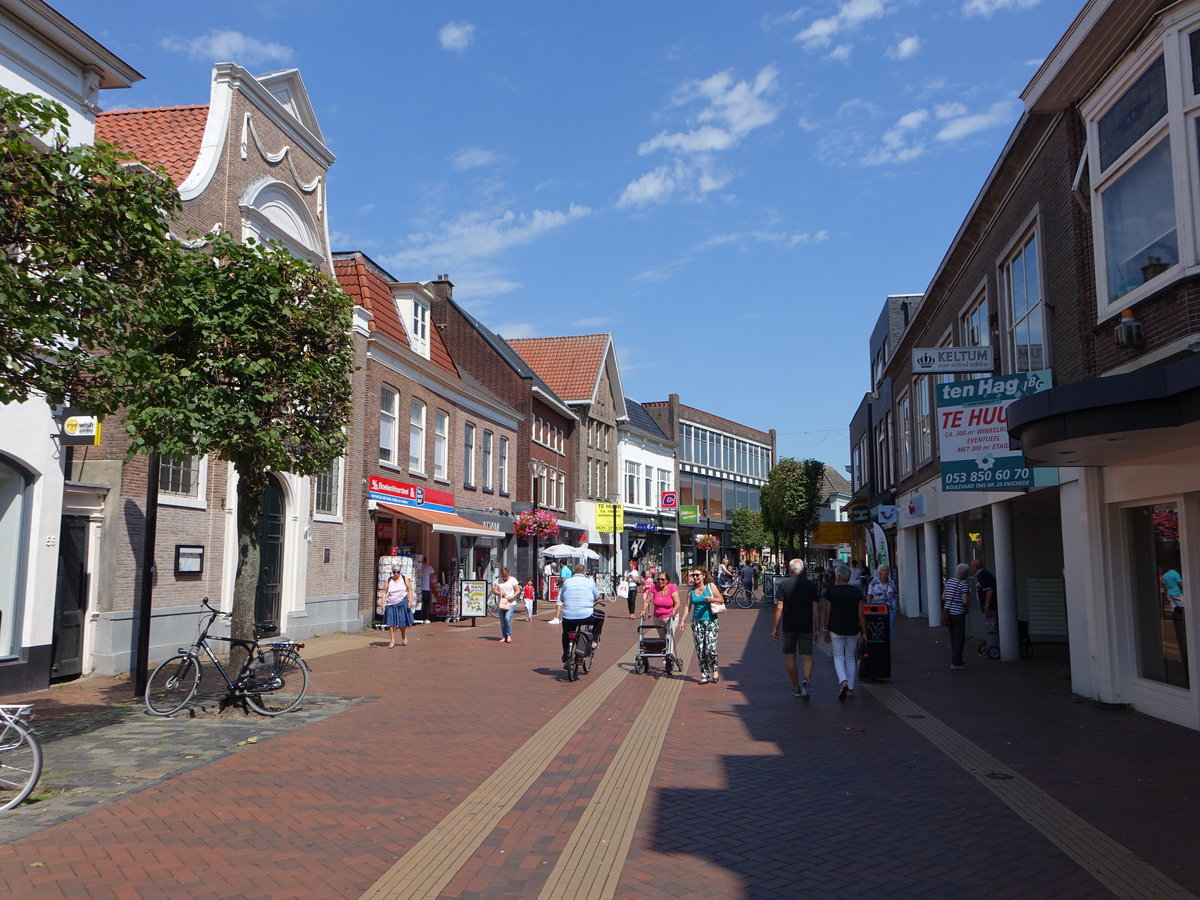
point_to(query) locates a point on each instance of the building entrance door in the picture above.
(70, 600)
(270, 548)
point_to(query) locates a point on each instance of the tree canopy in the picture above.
(87, 248)
(791, 499)
(747, 532)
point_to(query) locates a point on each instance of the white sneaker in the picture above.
(554, 622)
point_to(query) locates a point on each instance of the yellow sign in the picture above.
(610, 518)
(832, 533)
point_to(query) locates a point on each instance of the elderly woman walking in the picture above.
(845, 626)
(954, 613)
(395, 602)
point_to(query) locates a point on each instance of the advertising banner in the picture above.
(974, 432)
(610, 518)
(689, 515)
(832, 533)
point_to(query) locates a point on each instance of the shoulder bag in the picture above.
(715, 606)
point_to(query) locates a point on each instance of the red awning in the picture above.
(447, 523)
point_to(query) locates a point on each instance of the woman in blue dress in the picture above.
(394, 603)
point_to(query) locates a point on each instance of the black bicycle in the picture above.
(273, 678)
(736, 593)
(581, 647)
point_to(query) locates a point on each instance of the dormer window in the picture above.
(419, 328)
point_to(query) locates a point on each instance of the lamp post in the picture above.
(537, 468)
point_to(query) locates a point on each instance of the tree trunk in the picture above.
(245, 585)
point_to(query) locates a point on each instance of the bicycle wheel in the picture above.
(20, 763)
(744, 599)
(585, 662)
(572, 664)
(286, 669)
(493, 606)
(172, 685)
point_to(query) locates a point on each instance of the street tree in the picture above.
(792, 498)
(87, 249)
(252, 364)
(747, 532)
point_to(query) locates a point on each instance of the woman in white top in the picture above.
(395, 604)
(506, 588)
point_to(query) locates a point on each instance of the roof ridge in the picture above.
(150, 109)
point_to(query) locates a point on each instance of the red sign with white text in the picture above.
(401, 493)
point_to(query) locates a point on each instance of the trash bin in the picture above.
(876, 663)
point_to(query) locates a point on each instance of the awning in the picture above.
(446, 523)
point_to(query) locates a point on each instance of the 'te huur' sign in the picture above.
(926, 360)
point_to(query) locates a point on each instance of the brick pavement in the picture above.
(753, 794)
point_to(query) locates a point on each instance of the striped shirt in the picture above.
(954, 597)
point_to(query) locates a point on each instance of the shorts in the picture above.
(797, 642)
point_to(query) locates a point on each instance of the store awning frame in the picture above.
(441, 522)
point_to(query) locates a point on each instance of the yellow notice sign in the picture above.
(832, 533)
(610, 518)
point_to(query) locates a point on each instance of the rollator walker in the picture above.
(656, 640)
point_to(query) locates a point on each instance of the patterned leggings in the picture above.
(705, 635)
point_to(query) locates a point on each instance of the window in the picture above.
(605, 494)
(487, 461)
(1140, 239)
(904, 420)
(420, 328)
(975, 329)
(858, 474)
(502, 474)
(632, 471)
(327, 491)
(649, 485)
(1158, 583)
(469, 455)
(387, 425)
(1022, 285)
(441, 438)
(15, 550)
(883, 453)
(562, 490)
(664, 484)
(924, 419)
(180, 477)
(416, 438)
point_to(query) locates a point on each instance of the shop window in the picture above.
(1157, 594)
(14, 547)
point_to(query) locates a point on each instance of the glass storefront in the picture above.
(1157, 583)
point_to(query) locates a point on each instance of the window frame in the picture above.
(1030, 233)
(337, 470)
(441, 445)
(416, 435)
(502, 466)
(486, 460)
(389, 414)
(469, 456)
(904, 420)
(169, 498)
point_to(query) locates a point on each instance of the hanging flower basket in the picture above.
(706, 542)
(541, 524)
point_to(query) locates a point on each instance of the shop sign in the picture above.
(610, 517)
(951, 359)
(886, 515)
(860, 515)
(973, 419)
(79, 429)
(473, 599)
(401, 493)
(669, 500)
(832, 533)
(689, 515)
(916, 505)
(647, 526)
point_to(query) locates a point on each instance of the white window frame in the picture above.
(419, 327)
(441, 445)
(170, 498)
(486, 458)
(562, 491)
(502, 467)
(904, 419)
(336, 471)
(1030, 233)
(469, 455)
(389, 415)
(923, 411)
(633, 472)
(416, 436)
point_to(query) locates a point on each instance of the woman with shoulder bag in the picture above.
(395, 602)
(707, 603)
(506, 588)
(954, 613)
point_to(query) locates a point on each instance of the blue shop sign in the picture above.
(644, 526)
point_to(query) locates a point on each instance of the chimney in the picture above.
(442, 287)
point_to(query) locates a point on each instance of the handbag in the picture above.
(716, 606)
(623, 590)
(945, 617)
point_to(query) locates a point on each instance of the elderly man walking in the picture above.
(797, 612)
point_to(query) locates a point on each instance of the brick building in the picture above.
(436, 442)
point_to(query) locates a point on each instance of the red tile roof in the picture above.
(570, 365)
(370, 287)
(168, 136)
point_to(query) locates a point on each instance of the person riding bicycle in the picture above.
(578, 596)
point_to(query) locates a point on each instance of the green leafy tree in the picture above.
(747, 533)
(87, 248)
(251, 364)
(792, 495)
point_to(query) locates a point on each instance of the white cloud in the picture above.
(840, 53)
(986, 8)
(456, 35)
(899, 143)
(998, 114)
(516, 330)
(467, 243)
(365, 208)
(950, 110)
(472, 158)
(782, 239)
(807, 124)
(905, 48)
(850, 15)
(225, 45)
(731, 110)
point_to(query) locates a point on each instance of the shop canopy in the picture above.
(446, 523)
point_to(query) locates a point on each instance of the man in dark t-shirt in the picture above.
(987, 587)
(797, 610)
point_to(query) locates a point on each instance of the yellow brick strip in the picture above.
(590, 865)
(1126, 875)
(427, 868)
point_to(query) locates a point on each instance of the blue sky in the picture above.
(731, 189)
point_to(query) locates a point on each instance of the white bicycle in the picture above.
(20, 756)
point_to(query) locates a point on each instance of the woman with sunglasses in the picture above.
(705, 625)
(661, 599)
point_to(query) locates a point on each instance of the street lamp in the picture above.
(537, 468)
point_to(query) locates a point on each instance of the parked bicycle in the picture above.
(737, 593)
(20, 756)
(273, 678)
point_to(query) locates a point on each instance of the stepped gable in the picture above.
(166, 136)
(570, 365)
